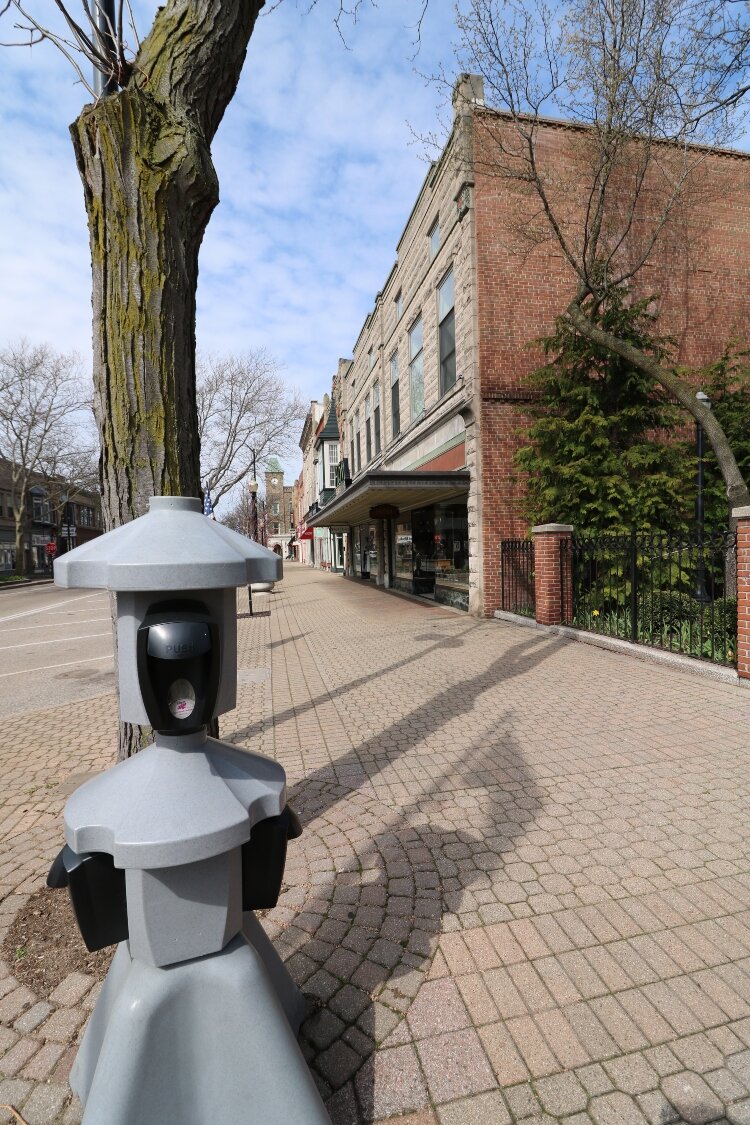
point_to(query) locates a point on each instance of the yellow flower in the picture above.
(595, 613)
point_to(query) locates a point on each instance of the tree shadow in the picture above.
(516, 654)
(370, 883)
(365, 762)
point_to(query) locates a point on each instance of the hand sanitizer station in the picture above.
(168, 853)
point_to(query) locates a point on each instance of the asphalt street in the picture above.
(55, 647)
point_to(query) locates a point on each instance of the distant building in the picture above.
(308, 494)
(56, 519)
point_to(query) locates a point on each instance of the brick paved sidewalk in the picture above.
(523, 889)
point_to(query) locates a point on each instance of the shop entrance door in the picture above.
(423, 551)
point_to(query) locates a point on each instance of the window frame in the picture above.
(376, 416)
(395, 395)
(333, 462)
(433, 238)
(368, 428)
(449, 318)
(416, 367)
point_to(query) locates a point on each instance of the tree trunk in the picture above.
(150, 188)
(20, 520)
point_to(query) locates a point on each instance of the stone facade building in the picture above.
(430, 409)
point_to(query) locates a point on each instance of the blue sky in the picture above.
(318, 170)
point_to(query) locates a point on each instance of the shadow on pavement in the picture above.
(373, 878)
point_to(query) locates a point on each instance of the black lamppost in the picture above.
(106, 43)
(253, 488)
(701, 594)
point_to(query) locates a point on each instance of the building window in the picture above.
(376, 416)
(371, 357)
(398, 301)
(40, 507)
(434, 237)
(358, 440)
(368, 428)
(85, 517)
(416, 369)
(447, 333)
(275, 508)
(352, 463)
(395, 402)
(274, 529)
(333, 464)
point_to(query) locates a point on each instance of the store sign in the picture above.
(305, 533)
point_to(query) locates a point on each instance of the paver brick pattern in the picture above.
(523, 888)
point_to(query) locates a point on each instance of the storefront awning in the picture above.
(402, 490)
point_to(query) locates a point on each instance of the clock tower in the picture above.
(279, 515)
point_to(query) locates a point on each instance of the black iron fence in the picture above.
(655, 589)
(517, 576)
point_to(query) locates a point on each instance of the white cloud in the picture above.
(318, 174)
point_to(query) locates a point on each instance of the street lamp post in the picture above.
(701, 594)
(253, 490)
(253, 487)
(106, 42)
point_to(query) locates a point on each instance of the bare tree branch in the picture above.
(107, 52)
(40, 391)
(245, 413)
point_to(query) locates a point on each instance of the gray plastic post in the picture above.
(197, 1018)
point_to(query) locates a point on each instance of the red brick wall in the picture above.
(454, 459)
(699, 270)
(502, 490)
(552, 581)
(743, 597)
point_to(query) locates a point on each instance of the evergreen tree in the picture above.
(727, 384)
(598, 455)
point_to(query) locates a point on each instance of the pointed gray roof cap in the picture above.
(173, 547)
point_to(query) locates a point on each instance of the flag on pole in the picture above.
(208, 508)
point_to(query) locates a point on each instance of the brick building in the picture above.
(56, 519)
(430, 409)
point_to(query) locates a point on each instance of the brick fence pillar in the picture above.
(552, 582)
(742, 515)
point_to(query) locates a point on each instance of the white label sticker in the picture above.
(181, 699)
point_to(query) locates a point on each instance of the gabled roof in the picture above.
(330, 431)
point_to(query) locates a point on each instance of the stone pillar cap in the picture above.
(741, 513)
(541, 528)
